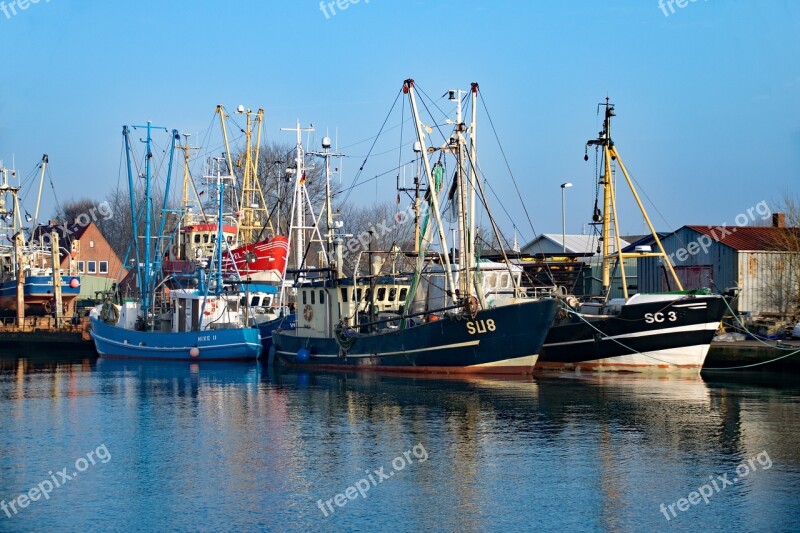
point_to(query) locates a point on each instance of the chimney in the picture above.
(778, 220)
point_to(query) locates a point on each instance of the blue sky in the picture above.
(707, 97)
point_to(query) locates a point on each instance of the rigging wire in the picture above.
(361, 168)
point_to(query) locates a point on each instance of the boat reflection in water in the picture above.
(262, 446)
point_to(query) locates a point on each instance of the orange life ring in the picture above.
(308, 312)
(471, 306)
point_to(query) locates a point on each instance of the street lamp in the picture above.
(564, 186)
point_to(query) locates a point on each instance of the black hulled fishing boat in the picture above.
(384, 321)
(669, 331)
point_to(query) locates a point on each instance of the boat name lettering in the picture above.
(480, 326)
(206, 338)
(671, 316)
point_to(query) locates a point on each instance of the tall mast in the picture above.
(45, 160)
(148, 270)
(473, 176)
(609, 215)
(299, 212)
(326, 154)
(253, 206)
(458, 144)
(408, 88)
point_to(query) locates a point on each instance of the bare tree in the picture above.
(782, 288)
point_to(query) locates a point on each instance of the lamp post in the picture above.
(564, 186)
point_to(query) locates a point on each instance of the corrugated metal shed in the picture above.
(748, 258)
(747, 238)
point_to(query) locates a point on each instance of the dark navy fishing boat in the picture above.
(390, 321)
(669, 331)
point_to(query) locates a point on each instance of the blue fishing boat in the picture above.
(30, 260)
(206, 322)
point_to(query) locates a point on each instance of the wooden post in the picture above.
(54, 249)
(20, 280)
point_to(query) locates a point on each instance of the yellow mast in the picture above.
(253, 213)
(610, 154)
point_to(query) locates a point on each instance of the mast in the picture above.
(408, 88)
(458, 144)
(252, 205)
(609, 215)
(146, 272)
(330, 227)
(473, 175)
(298, 222)
(45, 160)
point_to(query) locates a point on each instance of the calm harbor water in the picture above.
(224, 447)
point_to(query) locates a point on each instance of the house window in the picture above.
(91, 244)
(92, 267)
(104, 267)
(81, 267)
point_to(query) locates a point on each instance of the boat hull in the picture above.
(500, 340)
(38, 291)
(235, 344)
(672, 335)
(267, 329)
(261, 261)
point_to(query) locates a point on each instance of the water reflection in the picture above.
(259, 446)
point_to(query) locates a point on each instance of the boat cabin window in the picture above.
(504, 280)
(381, 294)
(304, 297)
(344, 294)
(392, 294)
(213, 237)
(230, 239)
(358, 295)
(403, 294)
(233, 306)
(322, 296)
(368, 294)
(312, 297)
(205, 237)
(197, 238)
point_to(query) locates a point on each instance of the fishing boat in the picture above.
(641, 332)
(30, 272)
(202, 322)
(254, 249)
(381, 321)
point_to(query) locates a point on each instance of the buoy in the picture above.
(194, 352)
(303, 355)
(74, 283)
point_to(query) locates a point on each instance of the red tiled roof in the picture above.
(763, 238)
